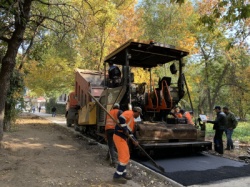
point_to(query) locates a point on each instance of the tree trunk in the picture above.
(8, 64)
(9, 59)
(7, 117)
(208, 90)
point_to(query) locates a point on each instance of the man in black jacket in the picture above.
(219, 126)
(114, 75)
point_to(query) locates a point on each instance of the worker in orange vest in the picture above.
(175, 112)
(125, 128)
(109, 132)
(187, 116)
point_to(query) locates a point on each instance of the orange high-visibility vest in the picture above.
(188, 116)
(110, 124)
(128, 115)
(178, 115)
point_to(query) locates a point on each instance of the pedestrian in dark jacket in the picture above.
(219, 126)
(229, 128)
(53, 110)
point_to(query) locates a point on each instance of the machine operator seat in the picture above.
(167, 79)
(164, 84)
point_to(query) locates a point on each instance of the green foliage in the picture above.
(209, 21)
(15, 93)
(164, 21)
(236, 94)
(227, 16)
(180, 2)
(230, 11)
(101, 22)
(53, 74)
(14, 97)
(242, 132)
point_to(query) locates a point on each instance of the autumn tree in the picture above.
(229, 11)
(102, 21)
(53, 72)
(12, 35)
(20, 22)
(168, 23)
(208, 31)
(214, 60)
(14, 97)
(237, 92)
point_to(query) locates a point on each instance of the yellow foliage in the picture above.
(52, 76)
(140, 75)
(107, 24)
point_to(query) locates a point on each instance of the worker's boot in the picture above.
(228, 148)
(120, 180)
(127, 176)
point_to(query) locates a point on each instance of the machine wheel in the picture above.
(83, 129)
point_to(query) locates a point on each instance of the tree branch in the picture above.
(235, 85)
(51, 4)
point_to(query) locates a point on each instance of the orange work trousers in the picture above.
(122, 150)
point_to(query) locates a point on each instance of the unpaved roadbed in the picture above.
(39, 153)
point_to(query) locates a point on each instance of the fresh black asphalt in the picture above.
(200, 168)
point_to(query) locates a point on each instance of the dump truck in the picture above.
(156, 129)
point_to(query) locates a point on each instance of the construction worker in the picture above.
(124, 129)
(109, 132)
(114, 75)
(187, 116)
(176, 112)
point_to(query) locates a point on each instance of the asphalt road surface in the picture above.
(200, 169)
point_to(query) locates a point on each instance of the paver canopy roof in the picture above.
(145, 55)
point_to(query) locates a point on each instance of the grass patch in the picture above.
(241, 133)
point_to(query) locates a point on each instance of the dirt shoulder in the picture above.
(240, 154)
(39, 153)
